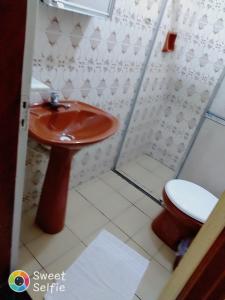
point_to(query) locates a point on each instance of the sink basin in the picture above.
(66, 131)
(74, 128)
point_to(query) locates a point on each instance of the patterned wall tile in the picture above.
(99, 61)
(95, 60)
(177, 86)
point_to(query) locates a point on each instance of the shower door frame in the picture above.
(140, 81)
(163, 7)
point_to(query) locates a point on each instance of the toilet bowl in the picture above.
(187, 207)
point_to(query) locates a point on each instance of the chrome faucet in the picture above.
(54, 102)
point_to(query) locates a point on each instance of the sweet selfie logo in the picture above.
(49, 282)
(19, 281)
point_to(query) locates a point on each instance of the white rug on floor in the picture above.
(107, 270)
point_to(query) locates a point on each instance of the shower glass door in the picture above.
(138, 161)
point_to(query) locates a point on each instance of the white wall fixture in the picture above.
(86, 7)
(39, 91)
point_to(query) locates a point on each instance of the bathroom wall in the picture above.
(95, 60)
(177, 86)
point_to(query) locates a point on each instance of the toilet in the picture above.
(187, 207)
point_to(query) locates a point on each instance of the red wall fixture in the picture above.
(169, 44)
(12, 39)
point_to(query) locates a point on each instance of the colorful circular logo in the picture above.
(19, 281)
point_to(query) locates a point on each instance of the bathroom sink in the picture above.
(67, 128)
(78, 126)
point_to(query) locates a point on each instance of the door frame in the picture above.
(31, 21)
(209, 273)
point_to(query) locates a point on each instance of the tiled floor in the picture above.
(148, 173)
(107, 202)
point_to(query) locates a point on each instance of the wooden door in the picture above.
(12, 40)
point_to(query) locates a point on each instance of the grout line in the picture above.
(94, 206)
(33, 256)
(151, 171)
(61, 255)
(151, 257)
(114, 191)
(169, 271)
(120, 213)
(138, 187)
(150, 217)
(137, 181)
(110, 222)
(139, 184)
(156, 261)
(134, 180)
(154, 173)
(118, 191)
(82, 242)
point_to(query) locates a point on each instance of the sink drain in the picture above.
(66, 137)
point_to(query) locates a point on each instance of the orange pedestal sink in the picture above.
(67, 131)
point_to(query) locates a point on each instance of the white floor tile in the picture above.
(65, 261)
(114, 180)
(157, 193)
(112, 229)
(134, 170)
(153, 282)
(164, 172)
(137, 248)
(48, 247)
(111, 205)
(87, 222)
(149, 174)
(76, 205)
(85, 218)
(27, 262)
(148, 162)
(149, 207)
(131, 193)
(95, 189)
(29, 230)
(144, 178)
(82, 217)
(166, 257)
(150, 181)
(131, 220)
(146, 239)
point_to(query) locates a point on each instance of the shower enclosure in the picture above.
(175, 92)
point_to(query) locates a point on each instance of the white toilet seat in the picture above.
(191, 198)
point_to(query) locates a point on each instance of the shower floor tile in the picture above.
(148, 173)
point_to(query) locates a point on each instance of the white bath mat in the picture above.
(107, 270)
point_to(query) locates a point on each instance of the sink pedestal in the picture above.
(66, 131)
(52, 207)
